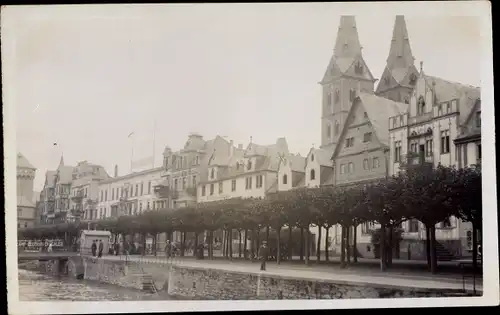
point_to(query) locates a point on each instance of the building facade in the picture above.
(26, 207)
(130, 194)
(439, 113)
(238, 173)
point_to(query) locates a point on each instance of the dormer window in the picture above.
(358, 69)
(313, 174)
(212, 174)
(312, 157)
(249, 165)
(413, 79)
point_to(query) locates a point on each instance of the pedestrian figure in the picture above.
(93, 248)
(49, 248)
(101, 248)
(168, 249)
(263, 253)
(117, 249)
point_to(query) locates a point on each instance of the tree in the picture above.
(428, 195)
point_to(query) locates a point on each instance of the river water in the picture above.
(34, 286)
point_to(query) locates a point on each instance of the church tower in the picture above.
(400, 74)
(346, 74)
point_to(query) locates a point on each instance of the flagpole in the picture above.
(131, 151)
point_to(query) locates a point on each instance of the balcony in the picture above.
(414, 160)
(78, 196)
(420, 118)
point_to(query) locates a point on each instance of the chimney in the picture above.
(231, 148)
(240, 146)
(116, 170)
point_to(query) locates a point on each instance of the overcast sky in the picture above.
(87, 77)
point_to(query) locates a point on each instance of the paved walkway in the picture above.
(322, 272)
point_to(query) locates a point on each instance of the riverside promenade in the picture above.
(362, 273)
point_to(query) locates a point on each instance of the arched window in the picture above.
(337, 96)
(421, 106)
(413, 79)
(313, 175)
(285, 179)
(312, 157)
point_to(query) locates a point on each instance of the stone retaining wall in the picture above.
(197, 283)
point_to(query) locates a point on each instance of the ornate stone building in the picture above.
(26, 208)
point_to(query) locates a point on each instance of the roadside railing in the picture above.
(465, 266)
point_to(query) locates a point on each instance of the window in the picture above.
(248, 183)
(445, 141)
(237, 166)
(440, 109)
(367, 137)
(212, 173)
(149, 188)
(358, 69)
(428, 147)
(285, 179)
(312, 157)
(258, 181)
(142, 188)
(376, 162)
(352, 95)
(421, 106)
(397, 151)
(106, 195)
(249, 165)
(413, 147)
(25, 224)
(446, 223)
(136, 189)
(387, 80)
(351, 167)
(221, 188)
(342, 168)
(448, 108)
(413, 226)
(313, 175)
(478, 153)
(337, 127)
(367, 227)
(365, 115)
(211, 189)
(328, 131)
(478, 119)
(203, 190)
(233, 185)
(407, 101)
(337, 96)
(194, 180)
(184, 180)
(365, 164)
(349, 142)
(175, 184)
(329, 100)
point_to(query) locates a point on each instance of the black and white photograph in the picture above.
(175, 157)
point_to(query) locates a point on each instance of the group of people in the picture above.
(97, 249)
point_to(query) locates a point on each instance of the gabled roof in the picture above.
(297, 163)
(466, 131)
(447, 90)
(22, 162)
(378, 109)
(321, 156)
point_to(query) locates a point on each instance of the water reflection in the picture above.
(34, 286)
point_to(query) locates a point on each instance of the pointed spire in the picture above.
(61, 162)
(347, 43)
(400, 55)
